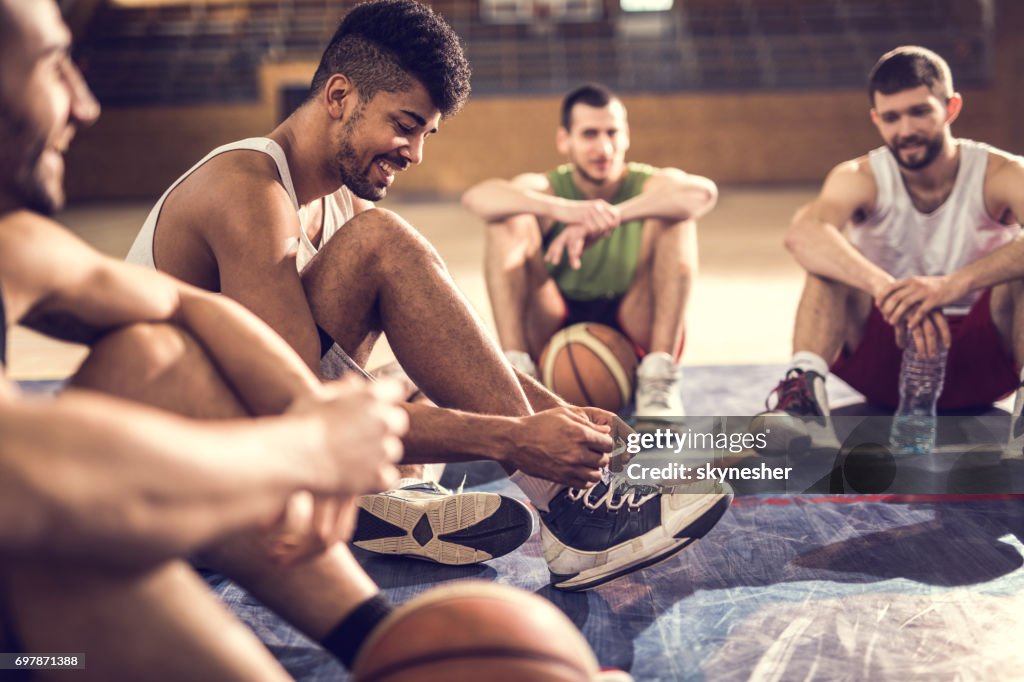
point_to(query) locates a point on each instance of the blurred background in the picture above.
(762, 96)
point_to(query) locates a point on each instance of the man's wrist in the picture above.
(486, 436)
(963, 280)
(877, 284)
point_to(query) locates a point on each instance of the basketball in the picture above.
(472, 630)
(590, 364)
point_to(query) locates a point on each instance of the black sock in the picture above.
(347, 637)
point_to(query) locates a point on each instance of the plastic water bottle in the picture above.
(913, 426)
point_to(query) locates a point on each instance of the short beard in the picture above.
(932, 149)
(587, 176)
(20, 166)
(346, 161)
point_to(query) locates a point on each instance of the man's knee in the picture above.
(387, 239)
(144, 351)
(1005, 307)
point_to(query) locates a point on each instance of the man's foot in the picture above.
(658, 382)
(427, 521)
(522, 361)
(593, 536)
(801, 395)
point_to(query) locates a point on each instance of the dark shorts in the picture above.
(325, 341)
(602, 311)
(979, 370)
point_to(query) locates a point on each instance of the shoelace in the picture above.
(445, 491)
(618, 493)
(793, 392)
(659, 390)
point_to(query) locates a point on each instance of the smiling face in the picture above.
(43, 100)
(914, 124)
(381, 137)
(596, 142)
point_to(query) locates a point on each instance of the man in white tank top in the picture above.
(233, 224)
(920, 234)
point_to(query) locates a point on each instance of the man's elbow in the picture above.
(796, 235)
(708, 198)
(473, 199)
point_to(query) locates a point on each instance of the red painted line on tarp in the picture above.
(896, 499)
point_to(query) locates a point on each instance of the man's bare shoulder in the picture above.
(848, 193)
(852, 180)
(36, 253)
(854, 170)
(1004, 186)
(27, 237)
(1003, 163)
(234, 191)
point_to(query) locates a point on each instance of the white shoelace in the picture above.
(619, 492)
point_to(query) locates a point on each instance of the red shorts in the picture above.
(979, 370)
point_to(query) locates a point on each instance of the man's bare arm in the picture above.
(1005, 191)
(69, 278)
(254, 243)
(531, 194)
(497, 199)
(100, 479)
(672, 195)
(815, 236)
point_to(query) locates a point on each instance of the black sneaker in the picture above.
(429, 522)
(595, 535)
(801, 396)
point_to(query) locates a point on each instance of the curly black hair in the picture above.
(380, 45)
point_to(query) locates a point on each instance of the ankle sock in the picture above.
(809, 362)
(348, 636)
(539, 491)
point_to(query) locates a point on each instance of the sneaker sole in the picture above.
(586, 580)
(454, 530)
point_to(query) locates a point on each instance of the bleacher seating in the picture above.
(199, 51)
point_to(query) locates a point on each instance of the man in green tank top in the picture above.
(597, 239)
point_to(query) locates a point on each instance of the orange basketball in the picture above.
(590, 364)
(472, 630)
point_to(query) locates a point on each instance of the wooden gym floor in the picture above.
(741, 310)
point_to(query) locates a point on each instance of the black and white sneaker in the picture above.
(596, 535)
(799, 419)
(430, 522)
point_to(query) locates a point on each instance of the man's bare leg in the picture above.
(158, 624)
(653, 311)
(378, 274)
(528, 308)
(1007, 306)
(829, 317)
(162, 366)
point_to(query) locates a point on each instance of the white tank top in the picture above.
(337, 207)
(906, 242)
(337, 210)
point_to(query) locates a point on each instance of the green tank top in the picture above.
(608, 265)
